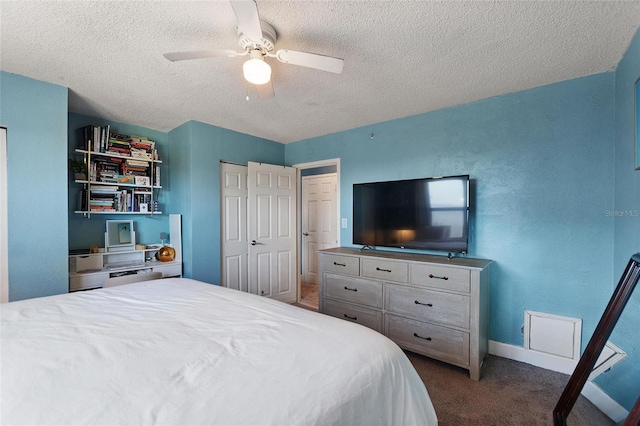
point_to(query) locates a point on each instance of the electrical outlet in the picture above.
(344, 222)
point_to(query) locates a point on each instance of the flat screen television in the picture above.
(425, 214)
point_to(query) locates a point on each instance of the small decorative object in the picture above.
(142, 180)
(166, 254)
(78, 168)
(144, 208)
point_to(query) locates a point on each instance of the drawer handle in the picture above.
(439, 278)
(420, 337)
(350, 289)
(424, 304)
(383, 270)
(339, 264)
(351, 318)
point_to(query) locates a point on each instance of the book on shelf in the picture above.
(136, 163)
(105, 188)
(124, 161)
(142, 180)
(102, 209)
(101, 204)
(82, 202)
(140, 153)
(102, 139)
(87, 137)
(94, 138)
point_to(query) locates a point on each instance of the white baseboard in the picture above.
(539, 359)
(608, 406)
(592, 392)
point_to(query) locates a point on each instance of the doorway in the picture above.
(319, 218)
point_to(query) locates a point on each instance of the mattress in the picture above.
(178, 351)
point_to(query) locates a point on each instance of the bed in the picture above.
(178, 351)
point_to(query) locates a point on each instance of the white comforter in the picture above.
(182, 352)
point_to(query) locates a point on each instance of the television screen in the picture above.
(424, 214)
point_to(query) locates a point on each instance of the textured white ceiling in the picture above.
(401, 57)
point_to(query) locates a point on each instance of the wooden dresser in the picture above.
(427, 304)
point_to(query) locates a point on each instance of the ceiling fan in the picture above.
(258, 39)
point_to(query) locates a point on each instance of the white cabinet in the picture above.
(427, 304)
(88, 271)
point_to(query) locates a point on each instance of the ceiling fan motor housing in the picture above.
(268, 42)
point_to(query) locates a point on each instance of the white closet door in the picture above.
(272, 231)
(235, 245)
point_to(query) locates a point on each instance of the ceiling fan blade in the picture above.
(311, 60)
(248, 19)
(265, 91)
(201, 54)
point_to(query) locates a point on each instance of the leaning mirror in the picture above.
(636, 120)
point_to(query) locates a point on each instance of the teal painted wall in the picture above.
(35, 114)
(542, 166)
(545, 165)
(87, 232)
(623, 381)
(196, 150)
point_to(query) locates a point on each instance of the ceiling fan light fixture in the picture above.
(257, 71)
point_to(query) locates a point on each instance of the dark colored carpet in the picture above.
(509, 393)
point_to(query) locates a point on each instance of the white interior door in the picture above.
(272, 231)
(234, 251)
(319, 221)
(4, 242)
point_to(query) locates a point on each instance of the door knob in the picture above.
(306, 234)
(255, 243)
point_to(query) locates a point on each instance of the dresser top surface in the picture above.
(465, 262)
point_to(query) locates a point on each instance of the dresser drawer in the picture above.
(172, 270)
(428, 305)
(386, 270)
(429, 339)
(354, 290)
(363, 316)
(440, 277)
(341, 264)
(86, 282)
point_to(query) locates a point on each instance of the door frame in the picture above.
(303, 239)
(4, 228)
(312, 165)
